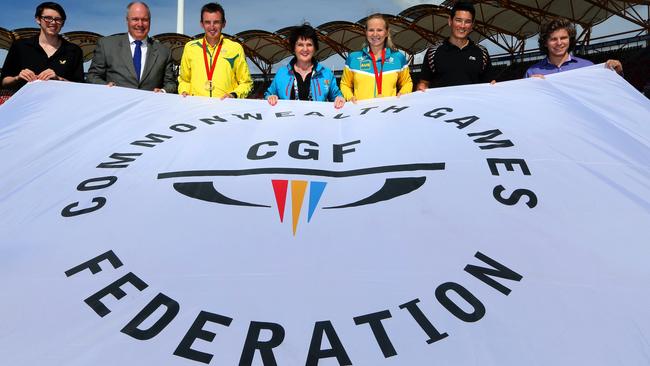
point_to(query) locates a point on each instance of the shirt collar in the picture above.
(206, 41)
(294, 60)
(568, 61)
(449, 44)
(131, 40)
(315, 69)
(36, 43)
(366, 50)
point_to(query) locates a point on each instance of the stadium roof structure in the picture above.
(505, 23)
(85, 40)
(175, 42)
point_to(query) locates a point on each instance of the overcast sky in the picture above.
(107, 17)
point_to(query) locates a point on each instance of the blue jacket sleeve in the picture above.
(273, 88)
(334, 89)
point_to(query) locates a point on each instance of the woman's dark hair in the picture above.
(50, 5)
(551, 26)
(305, 31)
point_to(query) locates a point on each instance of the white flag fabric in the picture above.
(497, 224)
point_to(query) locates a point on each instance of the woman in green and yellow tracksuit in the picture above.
(378, 70)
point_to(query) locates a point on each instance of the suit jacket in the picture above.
(113, 61)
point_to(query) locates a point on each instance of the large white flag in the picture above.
(475, 225)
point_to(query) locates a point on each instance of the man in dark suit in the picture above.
(133, 60)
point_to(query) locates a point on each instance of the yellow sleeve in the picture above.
(347, 83)
(404, 82)
(243, 76)
(185, 73)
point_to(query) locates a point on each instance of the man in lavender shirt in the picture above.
(557, 39)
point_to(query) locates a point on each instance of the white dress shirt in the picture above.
(143, 47)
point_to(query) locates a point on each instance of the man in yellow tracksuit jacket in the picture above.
(200, 74)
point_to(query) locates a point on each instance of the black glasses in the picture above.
(49, 19)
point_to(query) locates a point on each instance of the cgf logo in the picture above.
(205, 190)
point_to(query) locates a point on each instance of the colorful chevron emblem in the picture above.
(298, 190)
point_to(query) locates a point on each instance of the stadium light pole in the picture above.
(180, 13)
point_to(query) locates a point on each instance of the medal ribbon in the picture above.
(378, 75)
(209, 70)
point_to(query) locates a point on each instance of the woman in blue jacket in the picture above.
(304, 78)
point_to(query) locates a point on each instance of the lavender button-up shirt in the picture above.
(544, 67)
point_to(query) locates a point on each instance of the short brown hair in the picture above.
(551, 26)
(213, 8)
(50, 5)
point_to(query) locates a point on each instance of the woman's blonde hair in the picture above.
(389, 40)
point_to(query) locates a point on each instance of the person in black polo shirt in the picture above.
(45, 57)
(456, 60)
